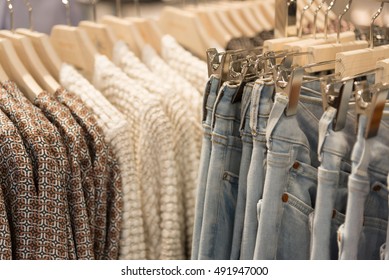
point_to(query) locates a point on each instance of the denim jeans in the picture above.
(247, 148)
(289, 194)
(261, 105)
(364, 230)
(209, 99)
(222, 182)
(334, 150)
(384, 247)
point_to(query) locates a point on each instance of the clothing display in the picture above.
(123, 140)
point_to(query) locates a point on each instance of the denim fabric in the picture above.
(334, 151)
(247, 148)
(291, 180)
(364, 230)
(209, 99)
(261, 105)
(384, 247)
(222, 182)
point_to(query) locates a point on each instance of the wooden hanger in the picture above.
(126, 31)
(243, 17)
(179, 23)
(259, 11)
(149, 30)
(3, 75)
(31, 60)
(101, 36)
(44, 49)
(353, 62)
(42, 46)
(212, 23)
(233, 13)
(74, 46)
(16, 71)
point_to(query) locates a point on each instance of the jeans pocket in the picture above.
(230, 193)
(295, 234)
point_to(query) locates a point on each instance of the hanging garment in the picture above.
(184, 125)
(5, 239)
(117, 132)
(18, 195)
(222, 180)
(80, 192)
(334, 150)
(190, 67)
(364, 230)
(51, 173)
(210, 94)
(247, 148)
(161, 199)
(291, 179)
(181, 86)
(108, 197)
(261, 105)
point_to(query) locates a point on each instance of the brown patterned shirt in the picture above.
(5, 237)
(107, 179)
(51, 173)
(18, 195)
(81, 188)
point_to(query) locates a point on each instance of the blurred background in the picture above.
(47, 13)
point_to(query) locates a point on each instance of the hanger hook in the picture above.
(29, 7)
(94, 10)
(11, 14)
(374, 17)
(119, 8)
(315, 18)
(137, 8)
(67, 6)
(346, 9)
(307, 7)
(330, 7)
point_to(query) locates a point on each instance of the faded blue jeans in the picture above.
(289, 194)
(209, 99)
(261, 105)
(247, 148)
(222, 181)
(334, 150)
(364, 230)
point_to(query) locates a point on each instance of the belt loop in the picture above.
(324, 125)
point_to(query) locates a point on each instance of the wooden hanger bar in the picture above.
(16, 71)
(44, 49)
(100, 35)
(327, 52)
(358, 61)
(382, 75)
(31, 60)
(74, 47)
(126, 31)
(187, 29)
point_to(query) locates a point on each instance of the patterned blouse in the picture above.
(81, 188)
(107, 180)
(19, 194)
(51, 229)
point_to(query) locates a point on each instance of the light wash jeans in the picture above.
(222, 182)
(261, 105)
(247, 148)
(334, 151)
(286, 208)
(209, 99)
(364, 230)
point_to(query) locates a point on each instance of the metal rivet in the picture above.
(285, 197)
(296, 165)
